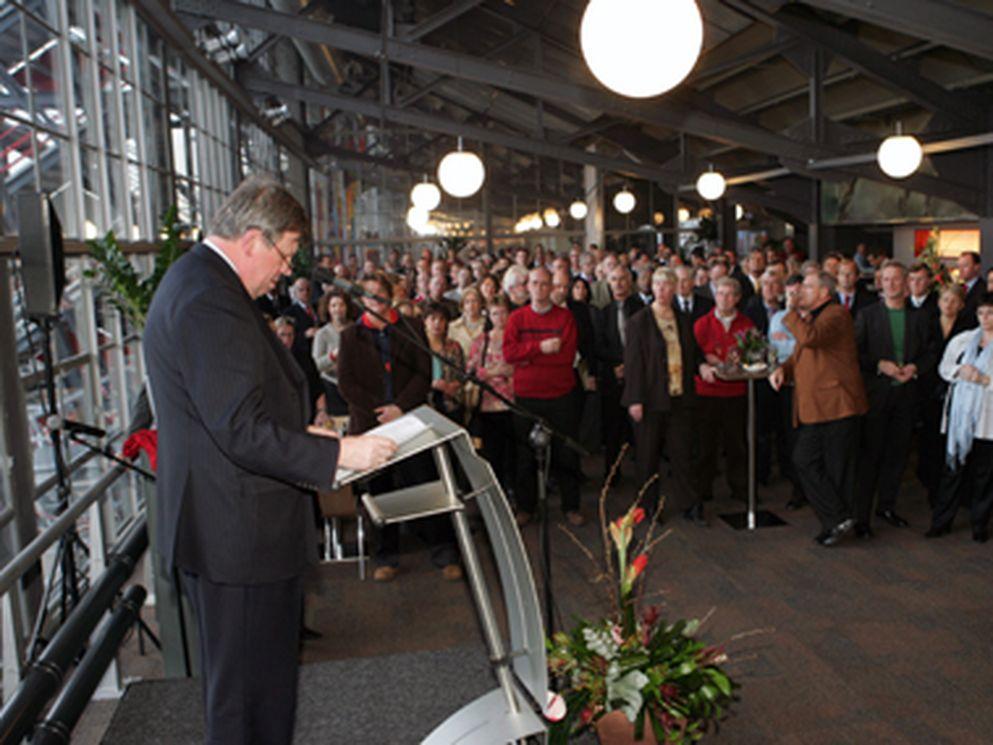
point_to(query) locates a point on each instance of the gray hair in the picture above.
(515, 275)
(825, 280)
(262, 203)
(731, 282)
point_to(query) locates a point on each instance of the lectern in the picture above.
(510, 712)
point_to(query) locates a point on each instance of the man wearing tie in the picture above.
(851, 297)
(238, 465)
(970, 275)
(303, 315)
(686, 301)
(610, 341)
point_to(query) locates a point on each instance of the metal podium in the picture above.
(509, 712)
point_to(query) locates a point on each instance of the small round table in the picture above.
(752, 518)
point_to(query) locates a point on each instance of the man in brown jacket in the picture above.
(829, 396)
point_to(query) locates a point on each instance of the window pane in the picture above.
(156, 148)
(46, 76)
(54, 156)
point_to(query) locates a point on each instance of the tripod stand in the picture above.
(65, 556)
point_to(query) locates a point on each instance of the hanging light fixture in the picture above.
(551, 217)
(683, 215)
(425, 195)
(535, 221)
(578, 209)
(624, 201)
(658, 217)
(417, 219)
(899, 155)
(641, 48)
(711, 184)
(461, 173)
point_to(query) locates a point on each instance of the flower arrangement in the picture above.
(668, 684)
(752, 347)
(930, 257)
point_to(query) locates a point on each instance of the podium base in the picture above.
(763, 519)
(487, 721)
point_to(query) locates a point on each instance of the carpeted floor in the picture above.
(880, 641)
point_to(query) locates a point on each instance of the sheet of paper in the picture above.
(401, 431)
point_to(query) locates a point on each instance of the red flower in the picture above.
(638, 566)
(586, 716)
(143, 439)
(650, 615)
(638, 515)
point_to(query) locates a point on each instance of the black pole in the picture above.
(75, 697)
(541, 442)
(45, 675)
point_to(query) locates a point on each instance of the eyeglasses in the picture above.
(285, 260)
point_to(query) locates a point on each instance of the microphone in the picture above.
(349, 288)
(75, 427)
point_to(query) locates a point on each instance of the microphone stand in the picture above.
(540, 437)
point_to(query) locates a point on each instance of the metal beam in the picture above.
(659, 112)
(439, 19)
(408, 117)
(874, 65)
(940, 21)
(178, 38)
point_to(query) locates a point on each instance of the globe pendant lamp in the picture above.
(425, 195)
(641, 48)
(417, 219)
(711, 185)
(552, 218)
(578, 209)
(461, 173)
(899, 155)
(624, 201)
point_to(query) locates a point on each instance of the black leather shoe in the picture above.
(980, 535)
(833, 536)
(863, 530)
(695, 515)
(892, 518)
(936, 531)
(796, 503)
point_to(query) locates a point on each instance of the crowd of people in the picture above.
(869, 357)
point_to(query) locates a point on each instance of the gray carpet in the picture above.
(391, 699)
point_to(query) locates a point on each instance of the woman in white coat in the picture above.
(967, 365)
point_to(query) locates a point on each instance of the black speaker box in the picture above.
(42, 259)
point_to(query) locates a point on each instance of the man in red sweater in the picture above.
(540, 342)
(722, 404)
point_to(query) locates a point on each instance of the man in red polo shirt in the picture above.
(540, 342)
(722, 404)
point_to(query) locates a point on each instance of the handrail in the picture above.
(45, 676)
(78, 462)
(69, 706)
(28, 555)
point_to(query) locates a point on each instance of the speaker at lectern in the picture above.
(510, 712)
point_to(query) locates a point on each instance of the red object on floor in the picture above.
(143, 439)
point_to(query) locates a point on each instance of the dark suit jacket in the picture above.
(360, 373)
(863, 297)
(874, 340)
(755, 309)
(236, 469)
(972, 302)
(585, 339)
(609, 350)
(700, 307)
(747, 288)
(646, 361)
(931, 386)
(301, 322)
(929, 307)
(825, 367)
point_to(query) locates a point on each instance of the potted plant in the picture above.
(753, 349)
(632, 675)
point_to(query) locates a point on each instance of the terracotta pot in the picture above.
(615, 729)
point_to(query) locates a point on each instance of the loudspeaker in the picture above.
(42, 260)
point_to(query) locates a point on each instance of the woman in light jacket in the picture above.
(327, 342)
(967, 366)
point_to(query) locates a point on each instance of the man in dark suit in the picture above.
(828, 398)
(851, 296)
(920, 285)
(238, 464)
(894, 348)
(970, 275)
(610, 334)
(305, 320)
(687, 302)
